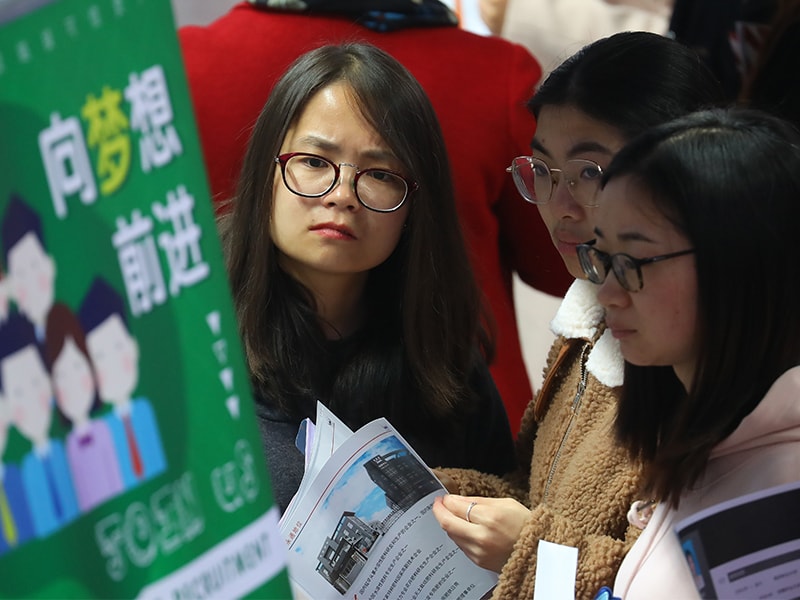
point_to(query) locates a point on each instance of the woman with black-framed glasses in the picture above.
(350, 277)
(709, 326)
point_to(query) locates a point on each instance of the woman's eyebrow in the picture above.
(317, 141)
(589, 146)
(378, 154)
(579, 148)
(326, 145)
(536, 145)
(627, 236)
(634, 236)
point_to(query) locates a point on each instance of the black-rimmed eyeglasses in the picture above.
(313, 176)
(535, 180)
(628, 270)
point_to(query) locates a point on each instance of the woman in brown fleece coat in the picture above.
(575, 484)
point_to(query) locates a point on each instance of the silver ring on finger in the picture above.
(469, 510)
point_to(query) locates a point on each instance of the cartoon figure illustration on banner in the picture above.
(15, 519)
(31, 271)
(114, 353)
(4, 295)
(90, 449)
(29, 397)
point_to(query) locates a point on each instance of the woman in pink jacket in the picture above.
(697, 221)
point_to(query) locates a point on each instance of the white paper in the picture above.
(361, 527)
(326, 436)
(556, 568)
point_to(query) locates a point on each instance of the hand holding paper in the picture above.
(361, 524)
(493, 528)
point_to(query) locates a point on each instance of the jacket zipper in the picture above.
(576, 404)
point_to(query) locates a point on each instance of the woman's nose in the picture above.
(611, 292)
(344, 192)
(562, 203)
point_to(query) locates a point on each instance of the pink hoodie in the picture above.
(763, 452)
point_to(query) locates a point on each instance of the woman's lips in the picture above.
(567, 239)
(618, 330)
(334, 231)
(568, 245)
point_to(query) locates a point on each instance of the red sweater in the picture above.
(478, 87)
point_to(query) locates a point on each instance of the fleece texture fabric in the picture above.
(577, 481)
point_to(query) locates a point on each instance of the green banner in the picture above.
(131, 460)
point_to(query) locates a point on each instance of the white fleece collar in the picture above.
(579, 316)
(579, 313)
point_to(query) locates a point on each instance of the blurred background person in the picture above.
(555, 29)
(773, 83)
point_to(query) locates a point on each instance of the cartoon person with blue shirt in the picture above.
(115, 355)
(15, 519)
(29, 396)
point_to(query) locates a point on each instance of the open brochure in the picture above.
(361, 525)
(748, 547)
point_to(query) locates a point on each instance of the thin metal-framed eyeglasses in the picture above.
(313, 176)
(628, 270)
(536, 181)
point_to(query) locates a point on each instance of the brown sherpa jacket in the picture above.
(578, 483)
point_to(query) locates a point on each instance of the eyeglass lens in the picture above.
(596, 265)
(309, 175)
(535, 180)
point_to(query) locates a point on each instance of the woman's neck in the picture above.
(341, 305)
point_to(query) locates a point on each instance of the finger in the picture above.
(444, 513)
(450, 523)
(468, 513)
(461, 532)
(470, 538)
(459, 505)
(452, 518)
(441, 512)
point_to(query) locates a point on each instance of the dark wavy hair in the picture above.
(632, 81)
(729, 180)
(425, 317)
